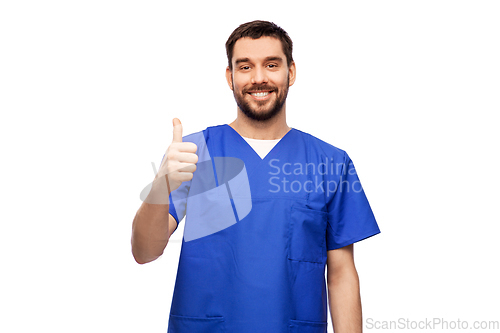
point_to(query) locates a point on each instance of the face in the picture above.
(260, 77)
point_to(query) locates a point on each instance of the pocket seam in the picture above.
(221, 318)
(294, 325)
(218, 321)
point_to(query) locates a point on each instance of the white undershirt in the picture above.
(261, 147)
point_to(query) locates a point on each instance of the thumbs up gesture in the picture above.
(180, 159)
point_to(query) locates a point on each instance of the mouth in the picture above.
(260, 95)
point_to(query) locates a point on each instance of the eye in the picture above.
(245, 68)
(272, 66)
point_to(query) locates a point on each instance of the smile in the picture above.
(260, 95)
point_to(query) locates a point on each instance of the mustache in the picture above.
(262, 87)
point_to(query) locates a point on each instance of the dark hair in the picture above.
(255, 30)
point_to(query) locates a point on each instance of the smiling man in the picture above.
(264, 272)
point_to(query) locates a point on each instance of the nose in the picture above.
(259, 76)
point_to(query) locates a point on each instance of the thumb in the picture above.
(177, 130)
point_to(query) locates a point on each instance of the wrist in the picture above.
(160, 191)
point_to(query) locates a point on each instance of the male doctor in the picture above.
(265, 273)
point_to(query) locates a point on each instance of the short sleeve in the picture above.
(350, 217)
(178, 199)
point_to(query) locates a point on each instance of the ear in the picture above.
(229, 78)
(292, 70)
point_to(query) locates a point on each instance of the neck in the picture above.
(272, 129)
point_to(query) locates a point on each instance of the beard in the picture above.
(264, 110)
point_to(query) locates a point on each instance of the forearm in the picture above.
(150, 228)
(345, 302)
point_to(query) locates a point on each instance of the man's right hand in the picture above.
(180, 159)
(153, 225)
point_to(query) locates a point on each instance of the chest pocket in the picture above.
(307, 235)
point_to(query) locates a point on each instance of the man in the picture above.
(253, 256)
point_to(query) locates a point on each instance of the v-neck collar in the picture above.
(254, 154)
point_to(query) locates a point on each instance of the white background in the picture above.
(88, 90)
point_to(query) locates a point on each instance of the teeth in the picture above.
(260, 94)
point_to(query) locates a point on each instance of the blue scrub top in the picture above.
(259, 266)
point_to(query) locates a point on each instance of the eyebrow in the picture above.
(240, 60)
(274, 58)
(270, 58)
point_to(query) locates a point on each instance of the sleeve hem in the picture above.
(354, 240)
(176, 220)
